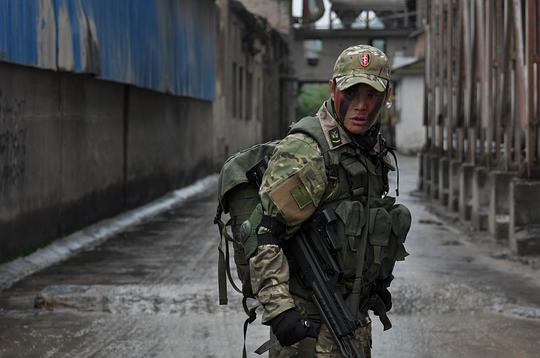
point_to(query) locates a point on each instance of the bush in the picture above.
(310, 99)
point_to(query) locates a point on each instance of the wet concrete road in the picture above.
(152, 292)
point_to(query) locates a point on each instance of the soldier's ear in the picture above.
(331, 87)
(388, 93)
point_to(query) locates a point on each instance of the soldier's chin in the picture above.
(357, 127)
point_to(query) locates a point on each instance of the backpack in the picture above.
(238, 195)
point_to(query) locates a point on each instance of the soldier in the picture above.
(334, 160)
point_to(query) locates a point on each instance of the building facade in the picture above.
(481, 116)
(107, 105)
(98, 112)
(255, 100)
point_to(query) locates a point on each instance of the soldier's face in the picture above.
(357, 106)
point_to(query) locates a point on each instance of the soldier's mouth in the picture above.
(360, 120)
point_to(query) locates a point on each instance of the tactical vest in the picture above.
(352, 175)
(357, 185)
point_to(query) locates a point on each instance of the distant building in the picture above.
(254, 91)
(409, 131)
(104, 105)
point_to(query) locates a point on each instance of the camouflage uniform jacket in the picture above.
(293, 187)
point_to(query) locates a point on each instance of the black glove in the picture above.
(290, 327)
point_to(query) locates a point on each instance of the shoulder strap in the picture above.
(386, 149)
(224, 270)
(312, 127)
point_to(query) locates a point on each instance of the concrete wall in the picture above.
(409, 130)
(91, 119)
(524, 233)
(74, 150)
(168, 143)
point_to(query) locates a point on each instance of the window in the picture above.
(241, 92)
(379, 43)
(259, 99)
(234, 94)
(249, 94)
(312, 49)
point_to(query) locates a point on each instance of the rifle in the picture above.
(315, 258)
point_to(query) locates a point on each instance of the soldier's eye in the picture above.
(375, 95)
(349, 93)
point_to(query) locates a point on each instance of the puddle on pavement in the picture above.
(408, 299)
(451, 243)
(414, 298)
(430, 222)
(131, 299)
(532, 261)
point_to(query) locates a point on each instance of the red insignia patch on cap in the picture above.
(364, 59)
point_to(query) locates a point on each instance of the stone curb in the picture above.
(95, 234)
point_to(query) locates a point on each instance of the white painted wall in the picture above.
(409, 105)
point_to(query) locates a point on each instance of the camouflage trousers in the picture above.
(324, 346)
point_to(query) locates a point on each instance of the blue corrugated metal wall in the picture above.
(164, 45)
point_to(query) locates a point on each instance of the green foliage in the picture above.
(310, 99)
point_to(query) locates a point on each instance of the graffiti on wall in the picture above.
(12, 142)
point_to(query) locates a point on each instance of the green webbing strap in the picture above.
(222, 281)
(397, 170)
(377, 254)
(312, 127)
(377, 305)
(227, 265)
(252, 315)
(222, 265)
(224, 270)
(354, 298)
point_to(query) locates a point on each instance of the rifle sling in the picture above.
(380, 310)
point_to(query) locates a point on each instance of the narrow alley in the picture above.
(116, 118)
(151, 291)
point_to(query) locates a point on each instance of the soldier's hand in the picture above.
(290, 327)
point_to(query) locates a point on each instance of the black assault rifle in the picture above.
(317, 267)
(315, 261)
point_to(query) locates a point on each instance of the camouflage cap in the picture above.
(362, 64)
